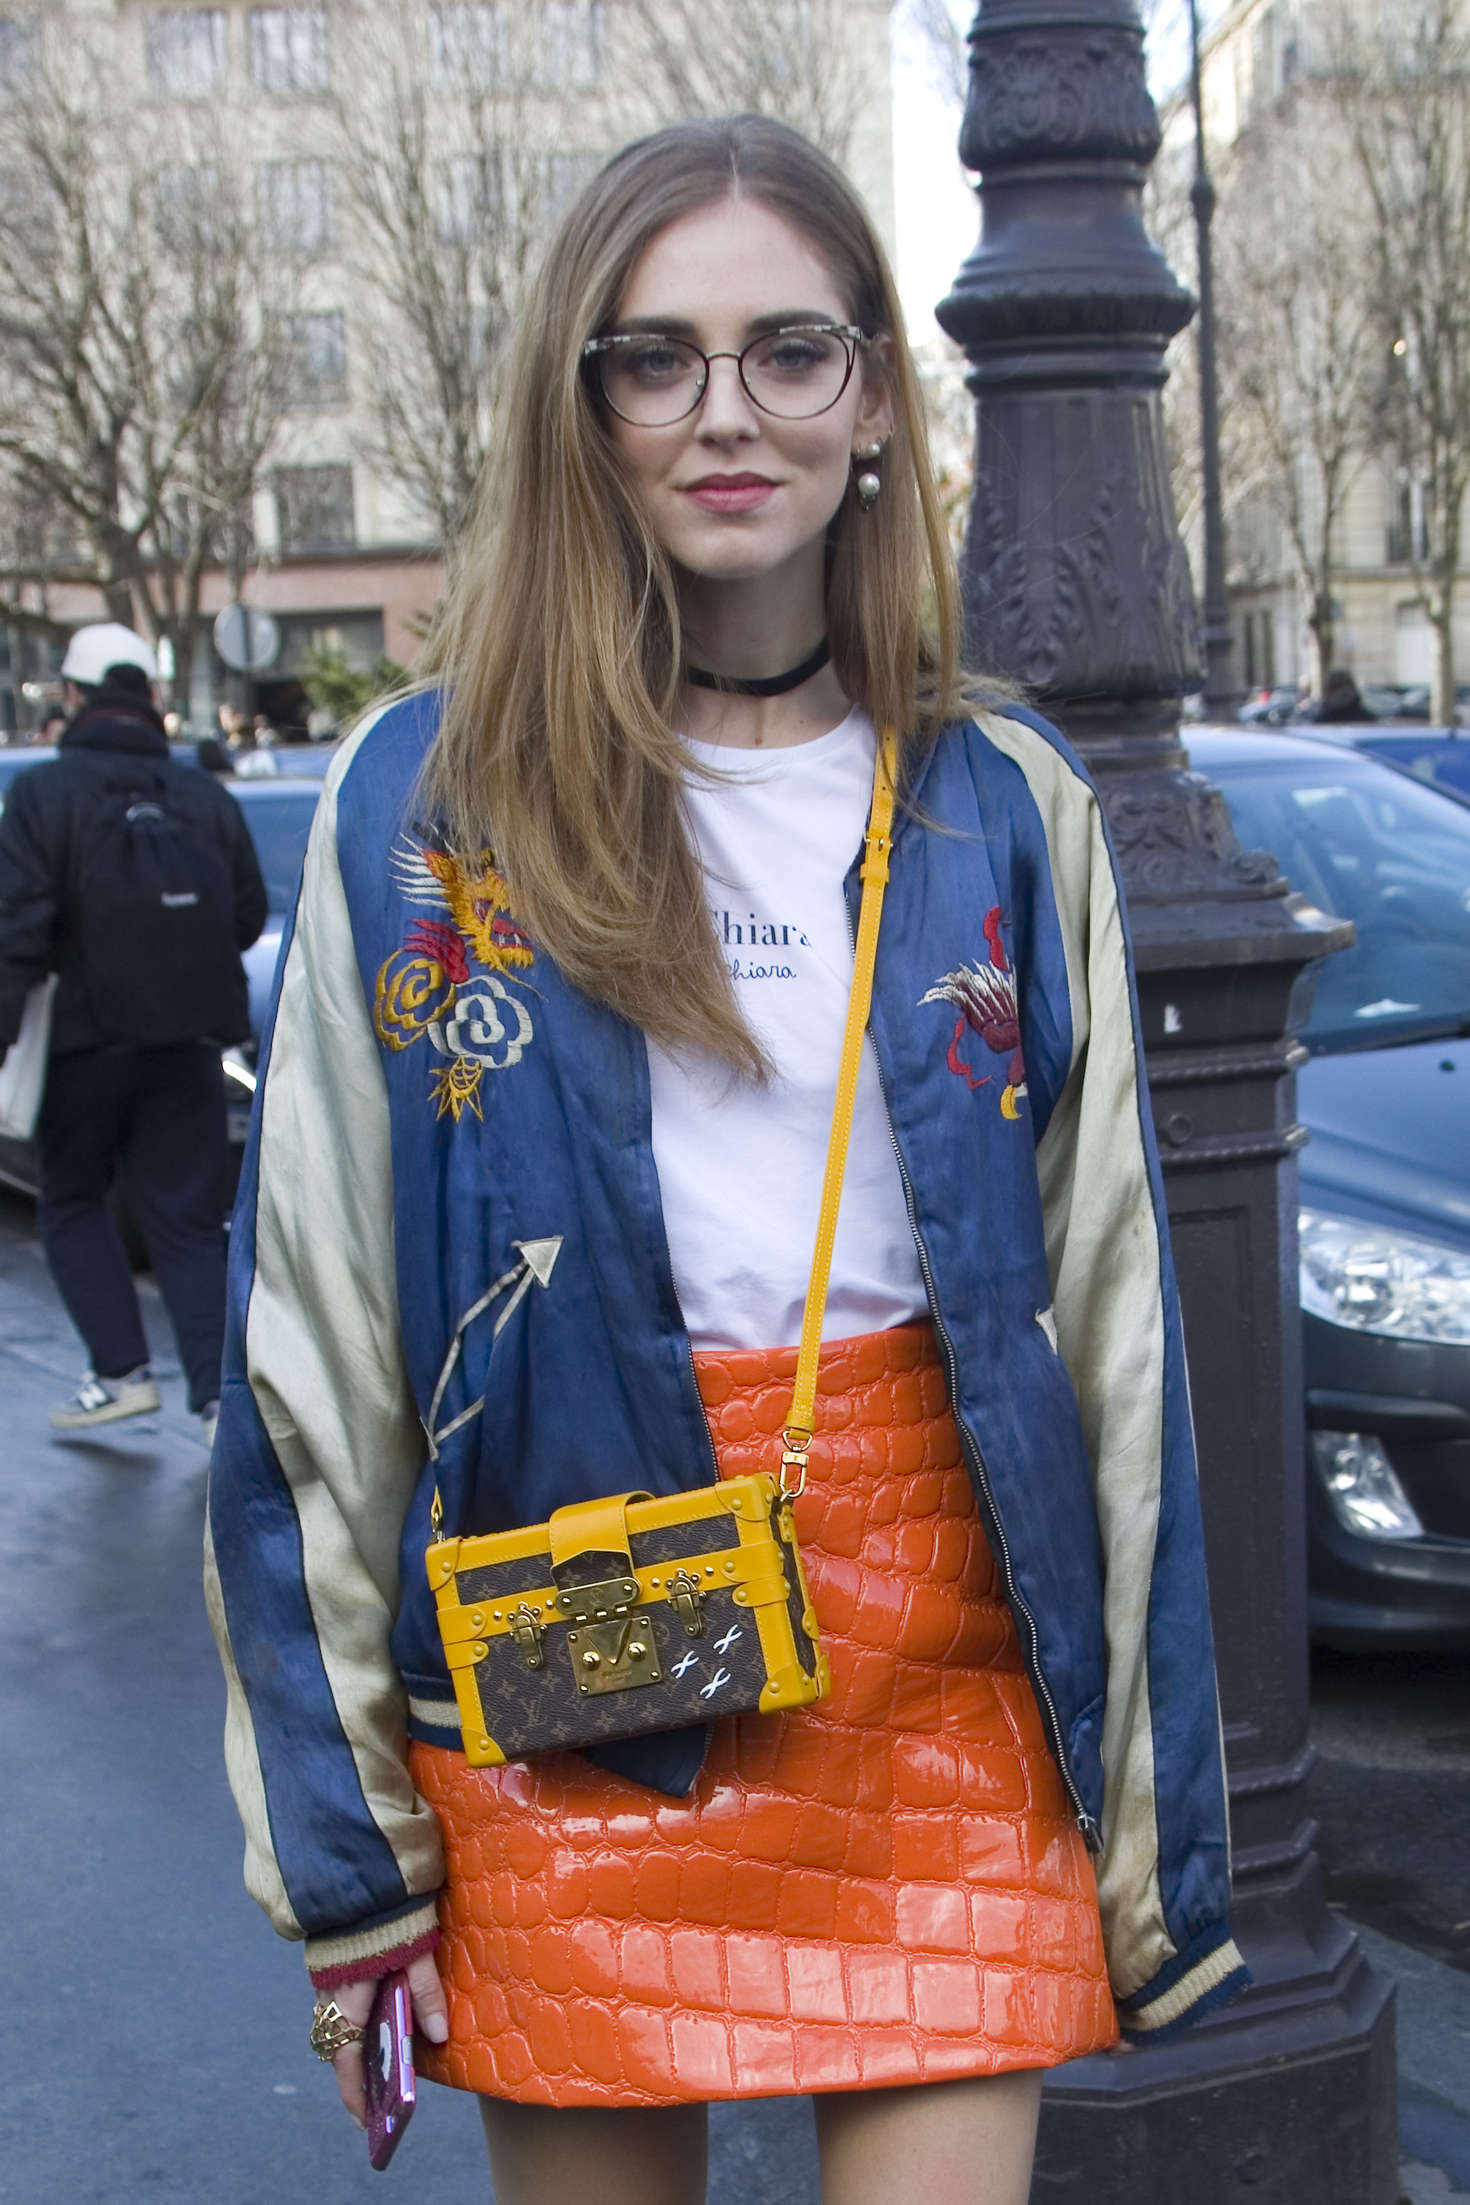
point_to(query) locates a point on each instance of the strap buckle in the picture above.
(795, 1448)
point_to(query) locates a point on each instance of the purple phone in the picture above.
(387, 2052)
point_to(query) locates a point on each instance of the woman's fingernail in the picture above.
(435, 2028)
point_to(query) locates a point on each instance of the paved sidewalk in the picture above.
(1434, 2070)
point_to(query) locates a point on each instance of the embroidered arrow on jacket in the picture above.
(538, 1261)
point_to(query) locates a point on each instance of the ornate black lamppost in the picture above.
(1076, 584)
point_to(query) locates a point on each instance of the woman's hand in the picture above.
(355, 2000)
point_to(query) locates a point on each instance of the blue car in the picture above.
(1385, 1178)
(1438, 755)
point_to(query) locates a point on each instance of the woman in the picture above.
(560, 1018)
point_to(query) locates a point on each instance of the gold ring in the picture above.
(331, 2031)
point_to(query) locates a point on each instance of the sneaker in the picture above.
(105, 1400)
(208, 1419)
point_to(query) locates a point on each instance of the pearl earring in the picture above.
(869, 483)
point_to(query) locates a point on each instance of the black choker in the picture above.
(773, 685)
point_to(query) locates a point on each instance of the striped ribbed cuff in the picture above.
(367, 1953)
(1171, 2005)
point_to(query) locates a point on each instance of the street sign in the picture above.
(247, 639)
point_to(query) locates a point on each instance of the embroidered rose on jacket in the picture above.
(985, 996)
(489, 1026)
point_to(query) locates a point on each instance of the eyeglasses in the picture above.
(651, 380)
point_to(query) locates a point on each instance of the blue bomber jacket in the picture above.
(441, 1114)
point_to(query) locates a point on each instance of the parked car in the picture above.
(304, 761)
(15, 757)
(1397, 700)
(1440, 756)
(279, 812)
(1271, 707)
(1385, 1178)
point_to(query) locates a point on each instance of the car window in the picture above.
(1446, 764)
(279, 825)
(1368, 845)
(17, 759)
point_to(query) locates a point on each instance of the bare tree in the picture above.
(447, 158)
(796, 59)
(144, 363)
(1298, 336)
(1244, 464)
(1403, 85)
(936, 30)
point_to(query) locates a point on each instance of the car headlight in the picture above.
(1363, 1486)
(1374, 1280)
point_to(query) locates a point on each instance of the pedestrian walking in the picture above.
(1341, 700)
(134, 880)
(523, 1291)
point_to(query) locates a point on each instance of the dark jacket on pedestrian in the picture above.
(83, 833)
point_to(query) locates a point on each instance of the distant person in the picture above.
(249, 761)
(211, 754)
(1341, 701)
(134, 878)
(248, 758)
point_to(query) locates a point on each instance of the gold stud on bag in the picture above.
(628, 1615)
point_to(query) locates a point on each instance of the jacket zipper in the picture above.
(709, 1437)
(1084, 1821)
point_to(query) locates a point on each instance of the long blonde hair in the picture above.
(560, 649)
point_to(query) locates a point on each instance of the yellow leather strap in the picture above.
(877, 843)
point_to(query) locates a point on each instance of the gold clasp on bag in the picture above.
(526, 1631)
(609, 1657)
(611, 1647)
(610, 1596)
(687, 1595)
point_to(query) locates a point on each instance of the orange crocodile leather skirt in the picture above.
(886, 1888)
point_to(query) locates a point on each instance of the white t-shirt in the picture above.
(740, 1166)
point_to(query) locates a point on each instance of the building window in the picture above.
(466, 45)
(1260, 650)
(568, 43)
(1407, 537)
(297, 207)
(563, 177)
(288, 49)
(316, 346)
(28, 210)
(20, 56)
(314, 508)
(184, 200)
(472, 197)
(186, 52)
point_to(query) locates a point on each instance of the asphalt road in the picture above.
(152, 2035)
(1391, 1791)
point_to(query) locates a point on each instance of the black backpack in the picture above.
(153, 908)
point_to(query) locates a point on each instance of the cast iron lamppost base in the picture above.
(1076, 584)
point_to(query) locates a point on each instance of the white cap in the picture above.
(106, 643)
